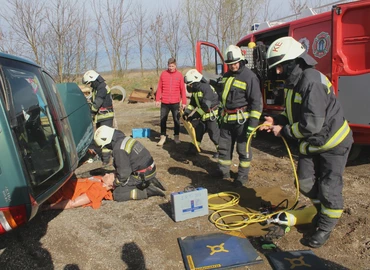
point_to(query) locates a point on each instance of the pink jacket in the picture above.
(171, 88)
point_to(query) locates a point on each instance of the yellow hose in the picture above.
(232, 198)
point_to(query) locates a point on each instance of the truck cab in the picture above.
(339, 40)
(45, 130)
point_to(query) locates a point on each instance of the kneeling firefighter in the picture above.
(101, 106)
(135, 168)
(314, 118)
(203, 106)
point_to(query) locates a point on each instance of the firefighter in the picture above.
(314, 118)
(203, 106)
(242, 105)
(135, 170)
(101, 106)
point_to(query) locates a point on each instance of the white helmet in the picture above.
(283, 49)
(233, 55)
(192, 76)
(89, 76)
(103, 136)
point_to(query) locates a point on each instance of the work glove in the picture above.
(186, 117)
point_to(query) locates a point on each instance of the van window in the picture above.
(212, 61)
(32, 123)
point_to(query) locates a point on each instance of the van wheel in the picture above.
(354, 153)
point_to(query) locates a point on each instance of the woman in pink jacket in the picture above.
(170, 92)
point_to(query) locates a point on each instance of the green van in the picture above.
(45, 129)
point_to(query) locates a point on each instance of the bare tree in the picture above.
(139, 20)
(25, 19)
(172, 34)
(62, 17)
(193, 23)
(155, 40)
(297, 6)
(114, 29)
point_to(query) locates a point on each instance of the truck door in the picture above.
(351, 65)
(209, 60)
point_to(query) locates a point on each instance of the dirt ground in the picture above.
(142, 235)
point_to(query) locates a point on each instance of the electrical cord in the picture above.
(247, 218)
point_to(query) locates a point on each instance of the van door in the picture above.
(209, 60)
(351, 65)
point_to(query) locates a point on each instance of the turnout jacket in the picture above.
(241, 90)
(101, 99)
(312, 113)
(129, 156)
(205, 98)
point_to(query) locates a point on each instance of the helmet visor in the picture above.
(272, 61)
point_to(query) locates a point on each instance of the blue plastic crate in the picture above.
(140, 132)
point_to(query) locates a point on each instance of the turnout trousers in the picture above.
(207, 126)
(229, 135)
(321, 179)
(132, 189)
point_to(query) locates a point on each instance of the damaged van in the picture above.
(45, 129)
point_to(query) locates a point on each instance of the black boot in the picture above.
(154, 191)
(319, 238)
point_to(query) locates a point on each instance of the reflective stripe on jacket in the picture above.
(312, 113)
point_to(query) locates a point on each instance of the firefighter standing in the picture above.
(203, 106)
(101, 106)
(135, 168)
(314, 117)
(242, 105)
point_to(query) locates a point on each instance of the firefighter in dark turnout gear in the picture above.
(242, 106)
(135, 170)
(203, 107)
(101, 106)
(314, 118)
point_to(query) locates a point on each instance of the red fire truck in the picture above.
(339, 40)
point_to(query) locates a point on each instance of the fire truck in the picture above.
(339, 40)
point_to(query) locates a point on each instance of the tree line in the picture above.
(68, 37)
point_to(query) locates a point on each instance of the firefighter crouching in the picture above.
(135, 170)
(203, 106)
(242, 106)
(314, 118)
(101, 107)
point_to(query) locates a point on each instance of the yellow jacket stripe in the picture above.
(255, 114)
(336, 139)
(127, 144)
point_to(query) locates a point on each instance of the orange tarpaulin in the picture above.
(93, 187)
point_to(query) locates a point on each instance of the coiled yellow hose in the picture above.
(247, 218)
